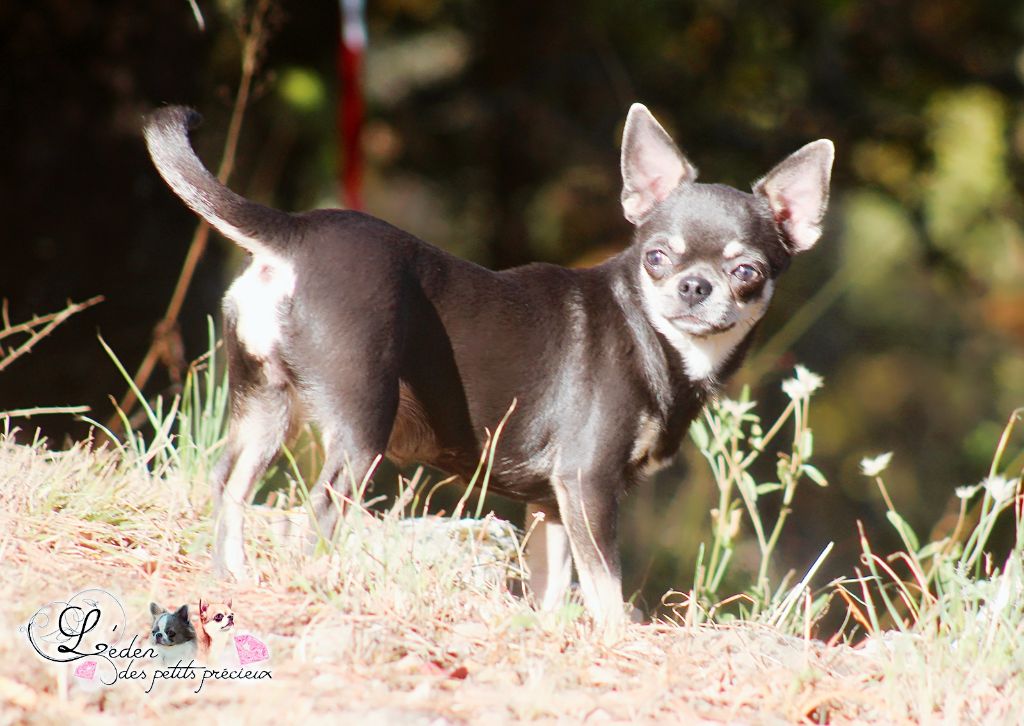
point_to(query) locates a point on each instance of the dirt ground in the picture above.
(383, 668)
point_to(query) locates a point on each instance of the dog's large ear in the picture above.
(155, 610)
(797, 193)
(652, 165)
(182, 612)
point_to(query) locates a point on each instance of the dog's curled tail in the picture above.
(252, 226)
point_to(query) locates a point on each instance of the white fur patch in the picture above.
(647, 434)
(549, 558)
(678, 244)
(256, 297)
(704, 357)
(172, 655)
(732, 250)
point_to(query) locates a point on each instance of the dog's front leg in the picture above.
(591, 524)
(548, 556)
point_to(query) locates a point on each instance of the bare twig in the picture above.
(165, 334)
(37, 328)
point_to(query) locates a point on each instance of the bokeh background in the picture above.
(492, 130)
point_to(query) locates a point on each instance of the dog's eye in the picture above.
(746, 273)
(170, 633)
(655, 258)
(218, 617)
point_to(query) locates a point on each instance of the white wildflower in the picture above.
(966, 492)
(803, 385)
(875, 465)
(734, 408)
(1000, 488)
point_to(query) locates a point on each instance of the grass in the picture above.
(405, 616)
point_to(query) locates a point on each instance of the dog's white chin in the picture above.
(704, 348)
(697, 328)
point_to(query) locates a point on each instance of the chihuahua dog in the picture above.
(173, 636)
(216, 633)
(390, 345)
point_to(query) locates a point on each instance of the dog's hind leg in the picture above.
(259, 423)
(548, 557)
(354, 426)
(346, 464)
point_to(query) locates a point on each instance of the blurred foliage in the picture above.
(493, 130)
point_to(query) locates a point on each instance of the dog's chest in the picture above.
(657, 435)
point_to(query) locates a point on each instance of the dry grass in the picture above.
(405, 622)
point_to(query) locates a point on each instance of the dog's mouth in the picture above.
(699, 328)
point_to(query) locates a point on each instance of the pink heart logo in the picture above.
(250, 649)
(86, 670)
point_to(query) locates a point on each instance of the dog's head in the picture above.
(171, 628)
(709, 254)
(216, 618)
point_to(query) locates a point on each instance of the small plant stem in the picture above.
(751, 505)
(490, 458)
(801, 587)
(975, 545)
(767, 438)
(43, 410)
(800, 411)
(252, 43)
(768, 549)
(868, 558)
(1004, 440)
(721, 546)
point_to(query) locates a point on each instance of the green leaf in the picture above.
(932, 547)
(815, 475)
(767, 487)
(748, 484)
(909, 538)
(807, 445)
(523, 621)
(699, 434)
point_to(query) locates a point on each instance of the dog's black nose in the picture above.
(694, 289)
